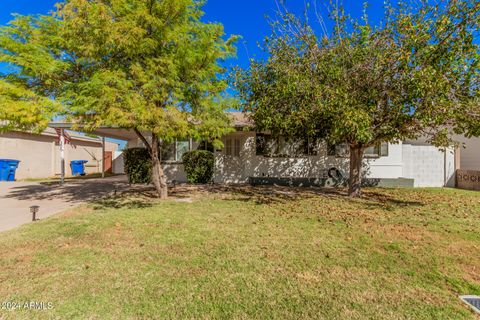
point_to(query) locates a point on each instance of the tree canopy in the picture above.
(415, 74)
(151, 66)
(25, 91)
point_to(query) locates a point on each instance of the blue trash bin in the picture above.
(8, 168)
(78, 167)
(3, 170)
(3, 166)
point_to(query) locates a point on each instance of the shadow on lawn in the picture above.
(121, 203)
(371, 199)
(138, 199)
(73, 191)
(115, 192)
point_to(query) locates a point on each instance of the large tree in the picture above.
(24, 103)
(414, 74)
(151, 66)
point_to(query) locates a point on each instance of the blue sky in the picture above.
(240, 17)
(247, 18)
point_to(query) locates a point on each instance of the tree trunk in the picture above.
(355, 182)
(158, 175)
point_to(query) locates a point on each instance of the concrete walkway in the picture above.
(17, 197)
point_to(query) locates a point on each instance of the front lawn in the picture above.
(247, 253)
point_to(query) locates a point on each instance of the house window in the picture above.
(338, 150)
(311, 146)
(270, 146)
(232, 147)
(182, 148)
(168, 152)
(343, 150)
(173, 152)
(384, 149)
(379, 150)
(205, 145)
(263, 144)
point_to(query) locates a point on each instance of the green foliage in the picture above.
(138, 166)
(26, 92)
(149, 65)
(412, 75)
(21, 108)
(468, 121)
(199, 166)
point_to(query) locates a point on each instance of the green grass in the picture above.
(251, 253)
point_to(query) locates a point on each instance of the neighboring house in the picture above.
(40, 154)
(249, 156)
(469, 153)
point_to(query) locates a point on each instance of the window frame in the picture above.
(175, 151)
(375, 154)
(282, 143)
(382, 151)
(233, 147)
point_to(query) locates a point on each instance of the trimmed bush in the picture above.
(199, 166)
(138, 165)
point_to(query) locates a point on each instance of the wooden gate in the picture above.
(108, 161)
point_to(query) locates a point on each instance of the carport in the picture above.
(103, 132)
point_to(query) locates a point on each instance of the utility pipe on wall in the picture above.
(62, 155)
(445, 167)
(103, 157)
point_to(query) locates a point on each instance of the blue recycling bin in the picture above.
(78, 167)
(8, 168)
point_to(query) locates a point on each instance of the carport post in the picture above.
(62, 155)
(103, 157)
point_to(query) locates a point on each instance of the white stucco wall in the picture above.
(238, 169)
(118, 164)
(387, 167)
(175, 172)
(429, 166)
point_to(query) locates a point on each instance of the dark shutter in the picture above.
(236, 149)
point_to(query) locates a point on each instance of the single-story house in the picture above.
(39, 154)
(249, 156)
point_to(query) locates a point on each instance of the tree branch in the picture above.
(144, 140)
(455, 28)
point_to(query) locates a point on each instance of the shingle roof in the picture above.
(240, 119)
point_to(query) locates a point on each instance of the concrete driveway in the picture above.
(17, 197)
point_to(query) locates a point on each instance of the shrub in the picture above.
(138, 165)
(199, 166)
